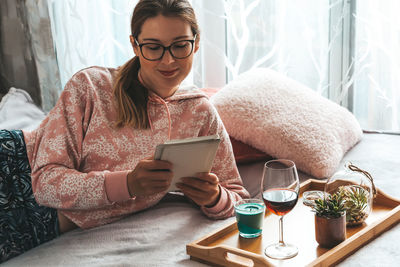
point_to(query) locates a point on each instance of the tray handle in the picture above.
(222, 252)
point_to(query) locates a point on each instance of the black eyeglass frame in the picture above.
(166, 48)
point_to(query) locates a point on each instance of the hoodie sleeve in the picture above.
(225, 168)
(57, 154)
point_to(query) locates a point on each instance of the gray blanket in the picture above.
(158, 236)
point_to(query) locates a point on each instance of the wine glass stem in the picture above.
(281, 243)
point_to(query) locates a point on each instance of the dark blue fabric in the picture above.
(23, 223)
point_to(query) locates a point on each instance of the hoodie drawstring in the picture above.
(148, 117)
(160, 100)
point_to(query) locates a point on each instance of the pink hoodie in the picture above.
(80, 160)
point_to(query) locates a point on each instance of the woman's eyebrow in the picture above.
(159, 41)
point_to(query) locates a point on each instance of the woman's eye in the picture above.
(180, 46)
(153, 47)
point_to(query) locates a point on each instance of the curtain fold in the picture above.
(42, 46)
(17, 65)
(27, 54)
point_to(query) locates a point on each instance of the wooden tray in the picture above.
(225, 247)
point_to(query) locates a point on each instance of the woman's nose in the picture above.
(167, 57)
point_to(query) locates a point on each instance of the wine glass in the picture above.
(280, 190)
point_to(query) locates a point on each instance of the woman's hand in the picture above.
(149, 177)
(203, 189)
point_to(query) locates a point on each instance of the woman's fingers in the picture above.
(208, 177)
(203, 182)
(195, 185)
(149, 177)
(150, 164)
(204, 189)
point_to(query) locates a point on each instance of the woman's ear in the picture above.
(196, 44)
(134, 45)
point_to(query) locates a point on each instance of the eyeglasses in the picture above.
(178, 50)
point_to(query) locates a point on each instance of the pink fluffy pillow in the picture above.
(285, 119)
(244, 153)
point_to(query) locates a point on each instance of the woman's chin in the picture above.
(170, 82)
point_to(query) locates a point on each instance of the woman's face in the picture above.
(164, 76)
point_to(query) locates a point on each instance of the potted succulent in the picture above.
(330, 220)
(357, 189)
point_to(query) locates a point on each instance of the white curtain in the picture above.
(348, 51)
(289, 36)
(377, 64)
(90, 32)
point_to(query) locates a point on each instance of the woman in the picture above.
(90, 162)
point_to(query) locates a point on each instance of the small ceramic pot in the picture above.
(330, 231)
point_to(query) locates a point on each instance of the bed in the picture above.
(158, 236)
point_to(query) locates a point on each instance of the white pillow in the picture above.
(18, 112)
(285, 119)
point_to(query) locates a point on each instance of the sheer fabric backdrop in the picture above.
(377, 64)
(90, 32)
(348, 51)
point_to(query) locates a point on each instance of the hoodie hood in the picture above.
(183, 92)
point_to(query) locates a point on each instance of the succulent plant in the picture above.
(332, 206)
(355, 202)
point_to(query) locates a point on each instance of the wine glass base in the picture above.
(281, 252)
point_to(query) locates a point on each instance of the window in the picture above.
(90, 32)
(377, 64)
(346, 50)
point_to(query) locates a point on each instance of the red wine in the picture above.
(280, 201)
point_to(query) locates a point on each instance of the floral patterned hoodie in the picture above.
(80, 160)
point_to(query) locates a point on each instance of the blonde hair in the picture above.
(130, 95)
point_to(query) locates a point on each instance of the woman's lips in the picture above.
(168, 73)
